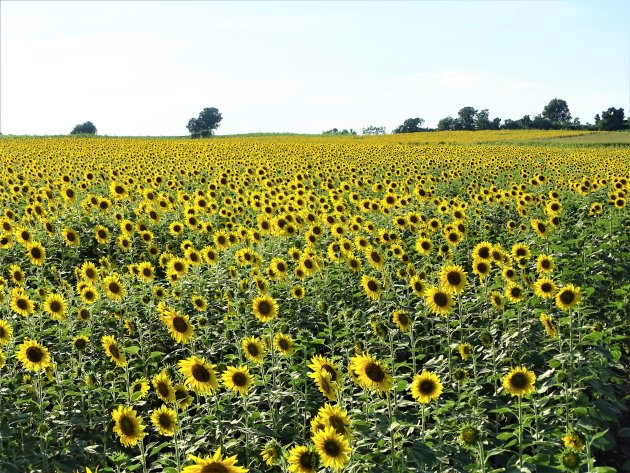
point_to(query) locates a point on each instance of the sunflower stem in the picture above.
(520, 432)
(392, 451)
(143, 456)
(413, 347)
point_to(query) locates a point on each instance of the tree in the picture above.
(336, 131)
(612, 119)
(557, 110)
(374, 130)
(87, 128)
(447, 124)
(208, 120)
(466, 119)
(411, 125)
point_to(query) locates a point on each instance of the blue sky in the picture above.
(146, 68)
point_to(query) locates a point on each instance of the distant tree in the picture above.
(336, 131)
(374, 130)
(410, 125)
(557, 110)
(612, 119)
(86, 128)
(483, 122)
(447, 124)
(542, 123)
(467, 116)
(204, 125)
(526, 121)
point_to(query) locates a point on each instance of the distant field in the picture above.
(599, 137)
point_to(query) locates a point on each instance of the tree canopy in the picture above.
(612, 119)
(87, 128)
(557, 110)
(205, 124)
(410, 125)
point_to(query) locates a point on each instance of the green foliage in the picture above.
(86, 128)
(204, 125)
(612, 119)
(374, 130)
(336, 131)
(410, 125)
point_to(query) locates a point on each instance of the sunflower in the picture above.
(164, 420)
(426, 387)
(453, 279)
(70, 237)
(237, 379)
(483, 251)
(424, 246)
(217, 463)
(89, 295)
(20, 302)
(481, 267)
(540, 228)
(374, 258)
(573, 440)
(139, 389)
(514, 293)
(519, 250)
(55, 306)
(332, 448)
(568, 297)
(145, 272)
(80, 342)
(17, 275)
(198, 375)
(402, 320)
(545, 288)
(325, 384)
(371, 373)
(297, 292)
(496, 299)
(303, 459)
(371, 287)
(89, 272)
(34, 357)
(569, 460)
(519, 381)
(439, 301)
(113, 287)
(36, 253)
(182, 396)
(3, 359)
(469, 435)
(179, 326)
(265, 308)
(128, 426)
(544, 263)
(163, 387)
(283, 343)
(271, 453)
(333, 416)
(254, 349)
(101, 234)
(199, 302)
(321, 364)
(465, 349)
(6, 332)
(113, 351)
(549, 325)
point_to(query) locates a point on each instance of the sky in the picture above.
(144, 68)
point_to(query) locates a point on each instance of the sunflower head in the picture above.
(519, 381)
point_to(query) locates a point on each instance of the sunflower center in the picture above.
(427, 387)
(545, 287)
(80, 343)
(283, 344)
(165, 421)
(426, 246)
(307, 460)
(454, 278)
(36, 253)
(440, 299)
(515, 291)
(337, 424)
(113, 350)
(372, 286)
(329, 369)
(214, 467)
(113, 287)
(239, 379)
(180, 325)
(375, 257)
(518, 381)
(146, 272)
(252, 349)
(162, 388)
(331, 447)
(34, 354)
(308, 264)
(264, 307)
(102, 234)
(126, 426)
(567, 297)
(55, 306)
(22, 304)
(374, 372)
(200, 373)
(403, 319)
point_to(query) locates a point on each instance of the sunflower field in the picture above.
(452, 302)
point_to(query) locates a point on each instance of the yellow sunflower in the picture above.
(265, 308)
(128, 426)
(371, 373)
(216, 463)
(544, 263)
(6, 332)
(33, 356)
(549, 325)
(36, 253)
(332, 448)
(418, 286)
(371, 287)
(439, 301)
(568, 296)
(519, 381)
(426, 387)
(113, 287)
(237, 379)
(254, 349)
(199, 375)
(55, 305)
(283, 343)
(453, 279)
(20, 302)
(164, 420)
(330, 415)
(139, 388)
(402, 319)
(178, 325)
(303, 459)
(163, 387)
(545, 288)
(113, 350)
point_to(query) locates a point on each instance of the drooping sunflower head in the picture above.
(271, 452)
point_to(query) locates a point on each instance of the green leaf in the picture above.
(133, 350)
